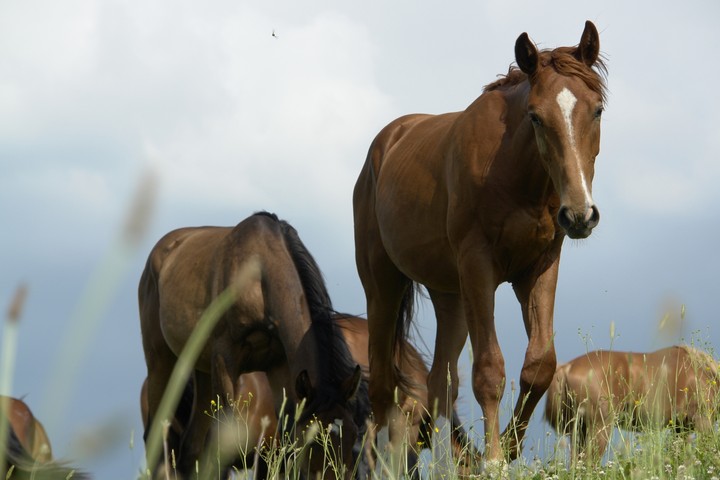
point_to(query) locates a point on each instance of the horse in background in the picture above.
(415, 404)
(254, 399)
(28, 452)
(254, 406)
(589, 396)
(462, 202)
(281, 324)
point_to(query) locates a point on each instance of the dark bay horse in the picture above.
(28, 449)
(280, 323)
(676, 386)
(253, 397)
(462, 202)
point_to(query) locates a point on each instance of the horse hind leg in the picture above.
(388, 293)
(160, 361)
(443, 379)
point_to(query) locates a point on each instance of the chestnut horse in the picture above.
(280, 323)
(28, 451)
(254, 405)
(590, 395)
(254, 398)
(462, 202)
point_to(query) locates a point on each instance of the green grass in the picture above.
(657, 453)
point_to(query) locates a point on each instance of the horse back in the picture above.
(189, 267)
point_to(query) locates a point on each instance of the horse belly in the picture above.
(412, 220)
(424, 258)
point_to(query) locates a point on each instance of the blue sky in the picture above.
(229, 120)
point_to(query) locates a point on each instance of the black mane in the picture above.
(337, 363)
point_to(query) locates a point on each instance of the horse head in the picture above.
(330, 436)
(565, 104)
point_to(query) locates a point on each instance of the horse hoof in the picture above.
(496, 469)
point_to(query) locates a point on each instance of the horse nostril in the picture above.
(565, 218)
(592, 217)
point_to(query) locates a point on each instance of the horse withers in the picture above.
(280, 323)
(596, 392)
(462, 202)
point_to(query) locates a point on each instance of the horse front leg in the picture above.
(478, 283)
(536, 294)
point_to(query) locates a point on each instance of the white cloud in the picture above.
(298, 110)
(230, 115)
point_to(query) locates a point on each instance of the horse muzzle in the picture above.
(578, 225)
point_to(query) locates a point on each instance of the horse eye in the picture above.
(598, 112)
(535, 119)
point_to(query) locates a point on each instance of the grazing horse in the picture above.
(28, 451)
(462, 202)
(254, 397)
(280, 323)
(590, 395)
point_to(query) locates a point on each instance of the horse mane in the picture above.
(339, 365)
(563, 61)
(25, 466)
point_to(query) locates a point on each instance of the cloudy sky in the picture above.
(226, 119)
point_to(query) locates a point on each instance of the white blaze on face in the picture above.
(566, 101)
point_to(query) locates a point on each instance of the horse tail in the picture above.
(402, 348)
(558, 405)
(26, 467)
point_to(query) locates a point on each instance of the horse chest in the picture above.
(522, 239)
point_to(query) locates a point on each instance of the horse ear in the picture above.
(588, 50)
(526, 54)
(303, 386)
(352, 384)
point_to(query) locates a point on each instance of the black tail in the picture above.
(402, 332)
(24, 466)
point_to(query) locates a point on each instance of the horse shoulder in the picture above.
(477, 138)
